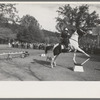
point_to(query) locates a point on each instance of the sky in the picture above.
(45, 13)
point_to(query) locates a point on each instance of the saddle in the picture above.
(64, 49)
(62, 46)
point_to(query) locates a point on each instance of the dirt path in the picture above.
(11, 71)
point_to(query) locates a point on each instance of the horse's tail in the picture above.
(47, 48)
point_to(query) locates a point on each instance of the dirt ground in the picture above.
(36, 68)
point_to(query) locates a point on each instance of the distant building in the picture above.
(96, 31)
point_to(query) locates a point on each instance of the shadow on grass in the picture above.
(95, 58)
(70, 68)
(42, 62)
(97, 69)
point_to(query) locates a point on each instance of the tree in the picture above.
(8, 21)
(8, 14)
(75, 17)
(6, 35)
(29, 30)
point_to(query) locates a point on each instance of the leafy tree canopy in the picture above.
(76, 17)
(8, 13)
(6, 33)
(29, 30)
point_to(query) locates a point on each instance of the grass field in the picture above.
(36, 68)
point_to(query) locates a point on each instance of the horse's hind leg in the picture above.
(79, 49)
(53, 62)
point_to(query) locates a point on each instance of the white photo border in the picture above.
(50, 89)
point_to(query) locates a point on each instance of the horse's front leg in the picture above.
(74, 57)
(79, 49)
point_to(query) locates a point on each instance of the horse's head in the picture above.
(81, 32)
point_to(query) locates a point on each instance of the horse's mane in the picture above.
(81, 32)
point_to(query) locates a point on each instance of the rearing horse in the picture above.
(73, 45)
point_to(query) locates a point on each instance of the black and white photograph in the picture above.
(49, 41)
(49, 49)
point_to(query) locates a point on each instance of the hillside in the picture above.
(51, 37)
(7, 33)
(49, 33)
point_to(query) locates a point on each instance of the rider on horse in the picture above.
(64, 41)
(65, 35)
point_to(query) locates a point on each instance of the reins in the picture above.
(73, 39)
